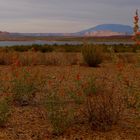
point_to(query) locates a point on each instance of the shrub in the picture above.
(6, 58)
(4, 112)
(60, 111)
(44, 49)
(59, 115)
(128, 58)
(26, 58)
(102, 106)
(102, 111)
(92, 55)
(23, 86)
(72, 48)
(131, 83)
(95, 100)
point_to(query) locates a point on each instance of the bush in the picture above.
(102, 111)
(72, 48)
(23, 86)
(60, 111)
(59, 115)
(92, 55)
(42, 48)
(95, 100)
(6, 58)
(4, 112)
(128, 58)
(102, 106)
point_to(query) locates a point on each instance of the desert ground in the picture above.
(57, 95)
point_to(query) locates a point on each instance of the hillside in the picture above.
(99, 30)
(107, 30)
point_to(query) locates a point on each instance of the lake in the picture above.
(40, 42)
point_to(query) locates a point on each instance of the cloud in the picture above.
(64, 15)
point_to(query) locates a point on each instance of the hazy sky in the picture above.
(63, 15)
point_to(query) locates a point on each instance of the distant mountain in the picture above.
(100, 30)
(4, 33)
(107, 30)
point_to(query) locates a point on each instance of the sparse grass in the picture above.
(4, 112)
(24, 84)
(75, 96)
(103, 106)
(37, 58)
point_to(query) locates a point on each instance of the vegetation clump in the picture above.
(93, 55)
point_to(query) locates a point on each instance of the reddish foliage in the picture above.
(78, 77)
(136, 18)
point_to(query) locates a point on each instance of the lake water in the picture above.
(25, 43)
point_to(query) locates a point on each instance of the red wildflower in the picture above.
(28, 69)
(84, 85)
(126, 80)
(17, 63)
(79, 94)
(133, 37)
(17, 74)
(138, 42)
(120, 66)
(78, 76)
(136, 18)
(49, 83)
(138, 33)
(62, 94)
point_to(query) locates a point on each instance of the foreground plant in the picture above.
(136, 36)
(23, 88)
(4, 111)
(102, 102)
(25, 83)
(59, 112)
(94, 100)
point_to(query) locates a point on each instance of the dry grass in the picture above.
(104, 106)
(128, 58)
(60, 58)
(109, 108)
(92, 55)
(38, 58)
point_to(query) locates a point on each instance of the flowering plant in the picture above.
(136, 29)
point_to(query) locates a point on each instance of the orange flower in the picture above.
(6, 78)
(120, 66)
(136, 18)
(138, 33)
(28, 69)
(78, 77)
(17, 63)
(17, 74)
(126, 80)
(133, 37)
(79, 94)
(62, 94)
(138, 42)
(84, 85)
(49, 83)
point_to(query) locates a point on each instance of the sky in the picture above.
(67, 16)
